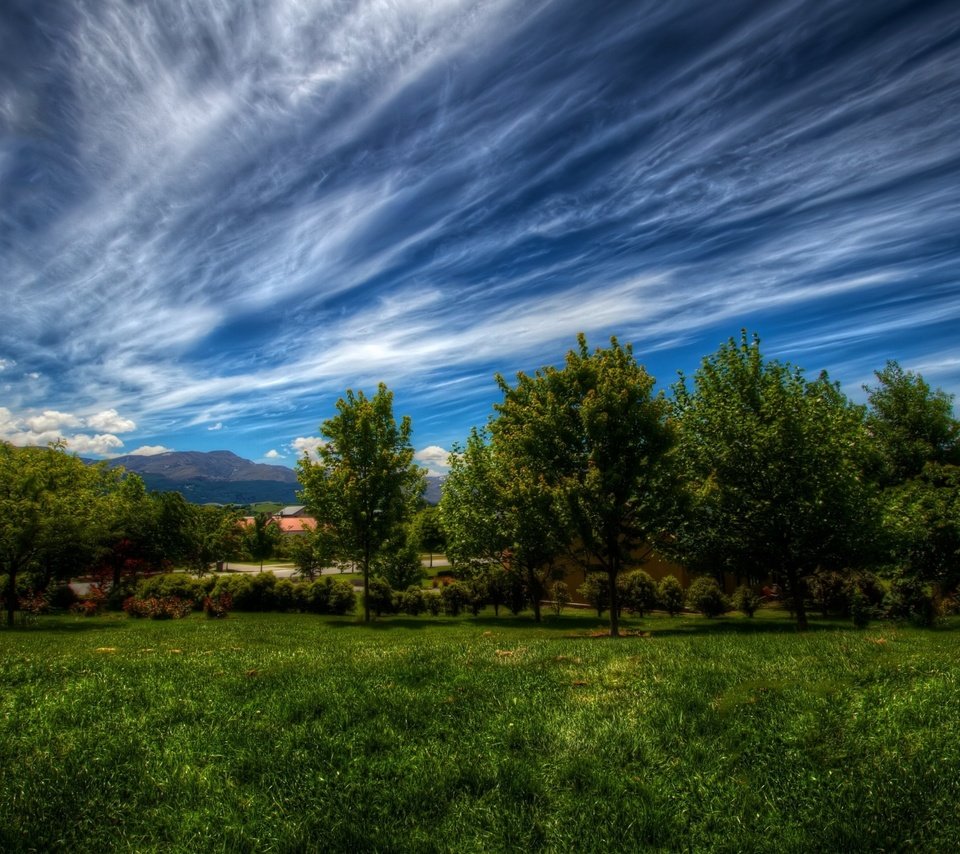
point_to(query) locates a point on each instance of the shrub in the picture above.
(746, 600)
(60, 596)
(172, 584)
(158, 607)
(638, 592)
(860, 609)
(909, 598)
(704, 595)
(596, 590)
(218, 606)
(455, 597)
(560, 596)
(433, 603)
(411, 601)
(289, 596)
(250, 591)
(380, 596)
(670, 595)
(830, 592)
(86, 607)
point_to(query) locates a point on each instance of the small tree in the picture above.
(638, 592)
(261, 537)
(594, 590)
(746, 600)
(670, 595)
(704, 595)
(379, 596)
(560, 596)
(365, 485)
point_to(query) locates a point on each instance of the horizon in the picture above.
(218, 219)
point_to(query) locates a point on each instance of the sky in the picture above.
(217, 216)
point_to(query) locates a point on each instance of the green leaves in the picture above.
(365, 484)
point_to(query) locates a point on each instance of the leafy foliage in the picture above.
(704, 595)
(774, 466)
(365, 485)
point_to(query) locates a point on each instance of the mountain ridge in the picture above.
(223, 477)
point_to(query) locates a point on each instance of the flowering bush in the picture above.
(218, 606)
(158, 607)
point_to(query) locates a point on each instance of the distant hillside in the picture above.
(224, 478)
(213, 476)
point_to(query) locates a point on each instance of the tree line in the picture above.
(748, 467)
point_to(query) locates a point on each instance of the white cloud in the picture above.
(273, 455)
(8, 422)
(33, 375)
(6, 363)
(51, 419)
(217, 426)
(434, 458)
(150, 451)
(101, 444)
(110, 420)
(307, 445)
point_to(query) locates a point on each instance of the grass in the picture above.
(293, 733)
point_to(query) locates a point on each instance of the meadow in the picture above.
(286, 732)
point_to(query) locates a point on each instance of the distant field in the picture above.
(294, 732)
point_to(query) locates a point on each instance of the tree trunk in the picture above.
(797, 591)
(11, 595)
(614, 604)
(366, 583)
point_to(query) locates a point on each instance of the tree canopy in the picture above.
(773, 462)
(365, 483)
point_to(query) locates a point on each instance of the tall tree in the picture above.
(365, 483)
(774, 466)
(594, 438)
(917, 443)
(910, 424)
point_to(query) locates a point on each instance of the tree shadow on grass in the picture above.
(65, 625)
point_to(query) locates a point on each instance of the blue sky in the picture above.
(217, 216)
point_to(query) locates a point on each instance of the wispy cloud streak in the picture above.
(231, 221)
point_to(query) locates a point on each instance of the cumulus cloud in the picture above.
(51, 425)
(273, 454)
(6, 363)
(150, 451)
(101, 445)
(307, 445)
(217, 426)
(434, 458)
(50, 419)
(111, 421)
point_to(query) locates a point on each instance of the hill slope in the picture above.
(225, 478)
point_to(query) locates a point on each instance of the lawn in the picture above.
(295, 732)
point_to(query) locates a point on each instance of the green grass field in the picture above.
(303, 733)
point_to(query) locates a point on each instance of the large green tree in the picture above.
(910, 424)
(52, 514)
(594, 437)
(773, 462)
(261, 537)
(365, 483)
(916, 441)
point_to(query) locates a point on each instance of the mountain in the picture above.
(225, 478)
(213, 476)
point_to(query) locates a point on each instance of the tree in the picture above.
(910, 425)
(496, 513)
(427, 532)
(917, 445)
(211, 534)
(593, 439)
(261, 537)
(312, 550)
(51, 514)
(774, 466)
(365, 484)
